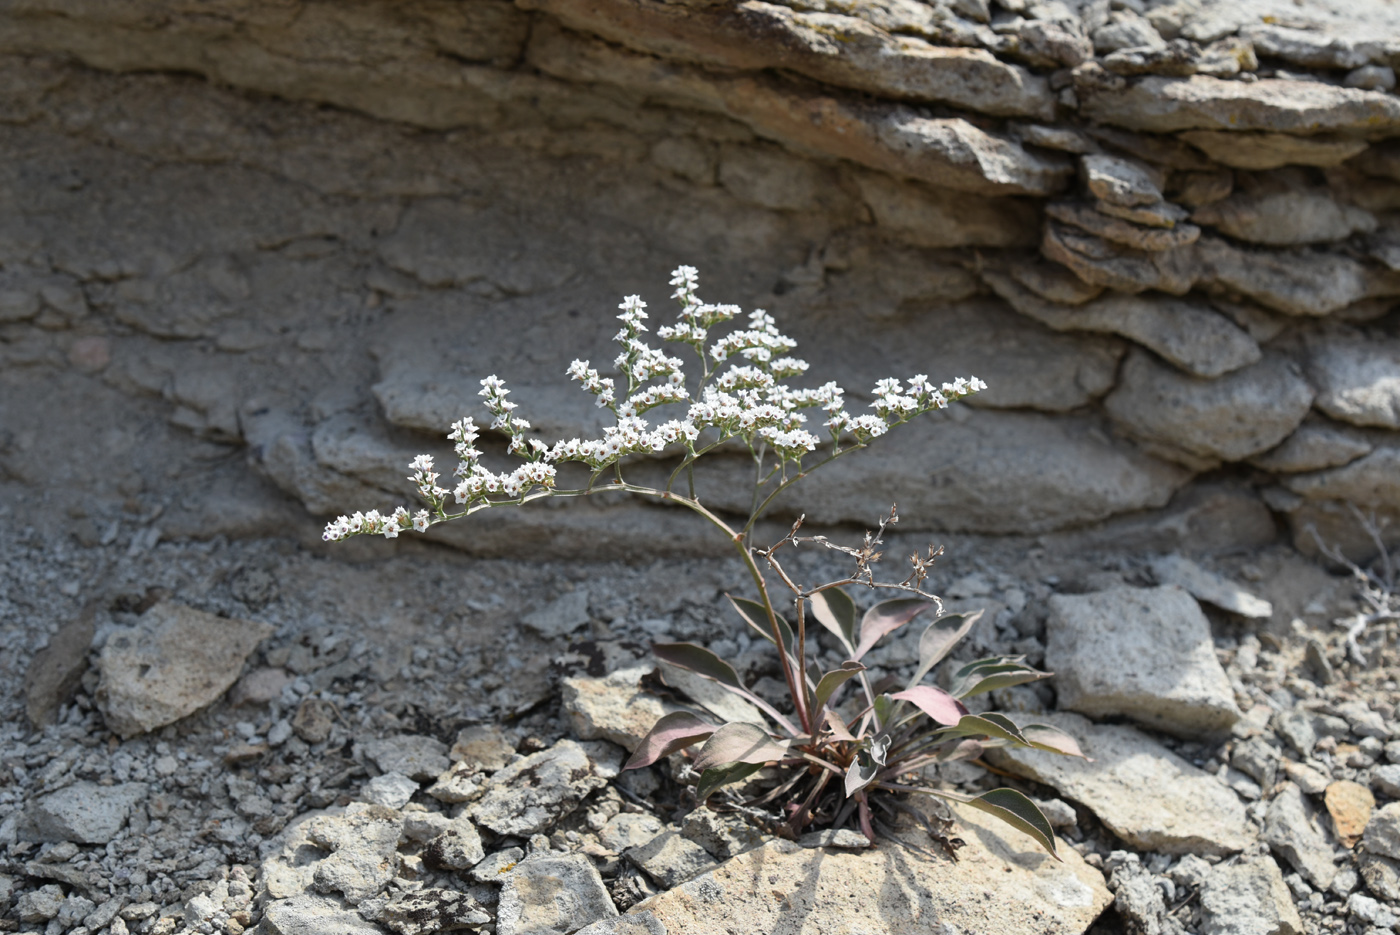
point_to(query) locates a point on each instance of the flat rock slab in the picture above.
(552, 896)
(529, 796)
(1142, 652)
(1248, 898)
(615, 707)
(1188, 811)
(314, 915)
(1002, 882)
(173, 662)
(84, 813)
(412, 755)
(1209, 587)
(55, 670)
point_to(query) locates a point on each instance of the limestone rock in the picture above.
(413, 755)
(529, 796)
(1370, 481)
(364, 850)
(615, 707)
(1189, 812)
(482, 747)
(173, 662)
(428, 911)
(1124, 232)
(1120, 181)
(1357, 380)
(392, 790)
(722, 835)
(1001, 882)
(639, 923)
(457, 848)
(1292, 829)
(55, 671)
(560, 616)
(84, 813)
(1248, 898)
(1292, 282)
(1272, 150)
(670, 859)
(1382, 833)
(930, 217)
(1142, 652)
(1285, 217)
(629, 829)
(309, 914)
(1230, 418)
(1210, 587)
(1311, 48)
(552, 896)
(1316, 445)
(1115, 266)
(1382, 875)
(1190, 335)
(1166, 105)
(1351, 805)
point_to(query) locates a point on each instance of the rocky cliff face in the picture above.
(280, 242)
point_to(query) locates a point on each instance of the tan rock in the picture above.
(1272, 150)
(1001, 882)
(931, 217)
(1125, 232)
(1104, 263)
(615, 707)
(173, 662)
(1285, 217)
(1350, 804)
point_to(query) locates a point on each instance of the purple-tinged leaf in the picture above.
(942, 707)
(838, 728)
(834, 679)
(712, 779)
(886, 617)
(1020, 813)
(699, 660)
(1045, 737)
(756, 616)
(939, 639)
(675, 731)
(834, 609)
(739, 743)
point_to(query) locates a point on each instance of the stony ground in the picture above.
(365, 733)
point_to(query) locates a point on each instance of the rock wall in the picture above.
(264, 249)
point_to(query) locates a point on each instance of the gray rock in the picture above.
(529, 796)
(1210, 587)
(1272, 150)
(1161, 215)
(461, 783)
(1371, 78)
(615, 707)
(1370, 481)
(1316, 445)
(842, 838)
(310, 914)
(173, 662)
(1293, 829)
(1142, 652)
(1190, 811)
(722, 835)
(391, 789)
(55, 671)
(364, 845)
(456, 848)
(629, 829)
(552, 896)
(1294, 282)
(1121, 231)
(497, 867)
(432, 910)
(1285, 217)
(670, 859)
(1310, 48)
(40, 905)
(1382, 875)
(634, 923)
(1120, 181)
(1365, 909)
(1248, 898)
(1386, 780)
(1126, 30)
(1299, 729)
(710, 695)
(1138, 897)
(1357, 379)
(1311, 781)
(1362, 720)
(559, 617)
(1199, 421)
(1256, 759)
(1191, 335)
(1382, 834)
(412, 755)
(85, 812)
(482, 747)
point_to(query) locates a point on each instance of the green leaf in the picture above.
(712, 779)
(739, 743)
(834, 679)
(867, 765)
(940, 706)
(756, 616)
(990, 724)
(699, 660)
(886, 617)
(675, 731)
(939, 639)
(989, 675)
(834, 609)
(1045, 737)
(884, 708)
(1020, 813)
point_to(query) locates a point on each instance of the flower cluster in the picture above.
(746, 401)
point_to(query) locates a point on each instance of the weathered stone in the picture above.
(1316, 445)
(1385, 779)
(1357, 379)
(629, 829)
(1210, 587)
(1053, 282)
(364, 845)
(40, 905)
(1292, 282)
(931, 217)
(842, 838)
(1256, 759)
(412, 755)
(1166, 105)
(312, 721)
(392, 790)
(55, 671)
(1311, 48)
(1161, 214)
(457, 848)
(722, 835)
(1194, 189)
(429, 911)
(173, 662)
(615, 707)
(1120, 181)
(482, 747)
(84, 813)
(1142, 652)
(1248, 898)
(1292, 829)
(1371, 78)
(1120, 231)
(1350, 804)
(530, 795)
(1271, 150)
(1177, 58)
(1190, 811)
(559, 617)
(1190, 335)
(1126, 29)
(1382, 875)
(1001, 882)
(1382, 834)
(310, 914)
(670, 859)
(1285, 217)
(1230, 418)
(552, 896)
(1115, 266)
(1372, 480)
(639, 923)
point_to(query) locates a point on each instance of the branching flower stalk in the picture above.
(740, 397)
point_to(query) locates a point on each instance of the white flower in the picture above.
(420, 521)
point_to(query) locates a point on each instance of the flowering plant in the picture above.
(740, 397)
